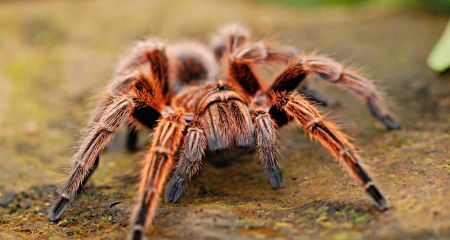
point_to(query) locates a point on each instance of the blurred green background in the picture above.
(442, 6)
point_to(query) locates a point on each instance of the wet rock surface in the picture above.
(57, 56)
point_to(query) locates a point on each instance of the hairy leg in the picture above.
(343, 77)
(86, 159)
(242, 64)
(189, 164)
(132, 138)
(232, 42)
(328, 69)
(157, 166)
(229, 38)
(150, 57)
(312, 95)
(332, 138)
(267, 147)
(146, 71)
(135, 95)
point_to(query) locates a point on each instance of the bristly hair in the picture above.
(174, 91)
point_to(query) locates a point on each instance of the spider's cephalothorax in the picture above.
(175, 92)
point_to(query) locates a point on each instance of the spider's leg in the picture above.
(332, 138)
(232, 42)
(344, 78)
(244, 76)
(132, 138)
(148, 57)
(313, 95)
(267, 147)
(86, 159)
(229, 38)
(157, 166)
(143, 115)
(189, 164)
(136, 95)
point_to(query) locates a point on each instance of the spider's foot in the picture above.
(378, 198)
(386, 119)
(132, 139)
(275, 176)
(317, 99)
(131, 148)
(313, 96)
(58, 209)
(137, 234)
(175, 189)
(390, 123)
(321, 102)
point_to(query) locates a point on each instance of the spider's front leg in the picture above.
(331, 137)
(158, 164)
(136, 94)
(147, 56)
(189, 164)
(267, 146)
(87, 157)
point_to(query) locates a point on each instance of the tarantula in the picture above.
(175, 91)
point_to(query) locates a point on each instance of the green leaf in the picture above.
(439, 59)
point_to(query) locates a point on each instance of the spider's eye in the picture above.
(220, 87)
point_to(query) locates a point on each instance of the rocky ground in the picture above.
(56, 57)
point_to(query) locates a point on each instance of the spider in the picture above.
(175, 92)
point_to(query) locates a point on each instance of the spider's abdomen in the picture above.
(228, 124)
(191, 63)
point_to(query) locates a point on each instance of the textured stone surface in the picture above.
(57, 56)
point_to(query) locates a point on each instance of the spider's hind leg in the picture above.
(228, 38)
